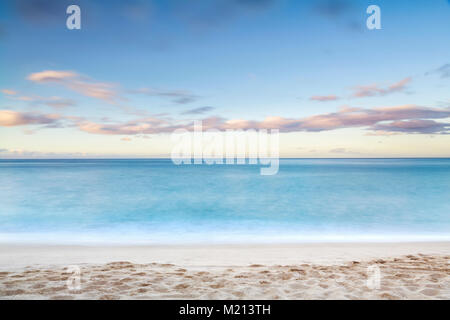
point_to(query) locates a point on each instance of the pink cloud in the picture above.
(139, 126)
(54, 101)
(330, 97)
(10, 118)
(413, 126)
(77, 83)
(52, 76)
(8, 92)
(375, 90)
(407, 119)
(373, 119)
(347, 118)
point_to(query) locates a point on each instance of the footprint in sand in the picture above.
(182, 286)
(217, 285)
(429, 292)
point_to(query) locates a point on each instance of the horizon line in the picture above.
(281, 158)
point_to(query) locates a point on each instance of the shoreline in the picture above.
(326, 253)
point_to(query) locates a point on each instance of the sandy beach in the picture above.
(282, 271)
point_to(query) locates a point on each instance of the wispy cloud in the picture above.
(443, 71)
(54, 101)
(372, 90)
(200, 110)
(52, 76)
(9, 118)
(134, 127)
(330, 97)
(414, 126)
(76, 82)
(9, 92)
(176, 96)
(376, 90)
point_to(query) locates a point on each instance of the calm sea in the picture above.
(155, 201)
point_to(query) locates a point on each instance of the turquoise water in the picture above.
(155, 201)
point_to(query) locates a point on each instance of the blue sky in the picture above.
(242, 59)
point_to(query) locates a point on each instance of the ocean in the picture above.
(153, 201)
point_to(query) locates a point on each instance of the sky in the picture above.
(138, 70)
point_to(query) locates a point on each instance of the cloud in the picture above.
(10, 118)
(443, 71)
(397, 119)
(357, 117)
(345, 118)
(375, 119)
(77, 83)
(98, 90)
(138, 126)
(52, 76)
(375, 90)
(200, 110)
(8, 92)
(414, 126)
(177, 96)
(330, 97)
(149, 125)
(56, 102)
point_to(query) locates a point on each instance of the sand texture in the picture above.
(419, 276)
